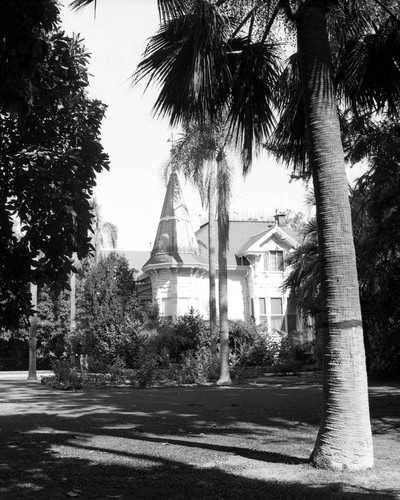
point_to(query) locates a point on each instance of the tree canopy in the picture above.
(23, 47)
(49, 159)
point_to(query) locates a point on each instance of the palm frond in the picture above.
(255, 71)
(187, 57)
(303, 280)
(288, 142)
(369, 70)
(171, 9)
(193, 153)
(80, 4)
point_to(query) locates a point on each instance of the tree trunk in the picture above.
(212, 211)
(223, 228)
(75, 358)
(32, 375)
(344, 440)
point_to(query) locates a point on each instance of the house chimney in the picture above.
(280, 219)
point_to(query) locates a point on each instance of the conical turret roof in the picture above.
(175, 242)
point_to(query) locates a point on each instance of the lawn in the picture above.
(250, 441)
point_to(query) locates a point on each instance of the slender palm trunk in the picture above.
(75, 354)
(344, 439)
(223, 228)
(212, 211)
(72, 320)
(32, 375)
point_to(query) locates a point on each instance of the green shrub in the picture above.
(241, 336)
(197, 367)
(264, 350)
(287, 367)
(65, 378)
(146, 373)
(187, 334)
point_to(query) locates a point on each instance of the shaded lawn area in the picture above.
(242, 442)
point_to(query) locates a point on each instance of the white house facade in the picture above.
(258, 250)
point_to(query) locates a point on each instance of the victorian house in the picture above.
(177, 271)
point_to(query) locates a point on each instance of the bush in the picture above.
(189, 333)
(146, 373)
(264, 350)
(287, 367)
(197, 367)
(65, 378)
(241, 336)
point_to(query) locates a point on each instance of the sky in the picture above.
(131, 194)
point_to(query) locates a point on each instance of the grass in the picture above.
(250, 441)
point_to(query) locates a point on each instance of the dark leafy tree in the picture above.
(53, 325)
(23, 48)
(49, 160)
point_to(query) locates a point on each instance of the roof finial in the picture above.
(172, 165)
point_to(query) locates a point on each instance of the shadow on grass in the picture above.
(35, 470)
(132, 427)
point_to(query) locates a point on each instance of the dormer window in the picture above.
(274, 260)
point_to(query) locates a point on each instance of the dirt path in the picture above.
(242, 442)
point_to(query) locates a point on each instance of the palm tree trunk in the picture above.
(344, 439)
(75, 359)
(212, 210)
(32, 375)
(223, 228)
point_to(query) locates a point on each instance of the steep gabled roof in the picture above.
(255, 243)
(175, 242)
(239, 232)
(243, 234)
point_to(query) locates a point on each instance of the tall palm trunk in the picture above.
(72, 323)
(212, 211)
(344, 439)
(32, 375)
(223, 231)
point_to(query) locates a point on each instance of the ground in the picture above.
(250, 441)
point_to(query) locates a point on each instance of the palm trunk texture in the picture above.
(72, 319)
(344, 440)
(212, 210)
(223, 221)
(32, 375)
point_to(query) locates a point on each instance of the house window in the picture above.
(274, 260)
(183, 306)
(263, 309)
(166, 309)
(277, 316)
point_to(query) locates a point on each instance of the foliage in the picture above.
(53, 324)
(263, 351)
(110, 320)
(65, 378)
(241, 334)
(374, 202)
(49, 160)
(23, 29)
(188, 333)
(197, 367)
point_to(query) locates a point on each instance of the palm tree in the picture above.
(205, 58)
(32, 375)
(200, 154)
(104, 233)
